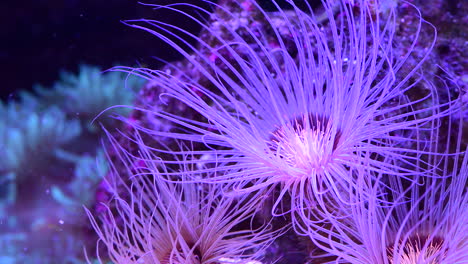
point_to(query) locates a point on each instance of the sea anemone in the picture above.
(301, 104)
(24, 131)
(90, 91)
(153, 220)
(424, 221)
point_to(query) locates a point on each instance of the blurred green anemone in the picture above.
(41, 127)
(89, 171)
(91, 91)
(25, 134)
(49, 146)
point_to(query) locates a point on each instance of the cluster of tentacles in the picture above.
(310, 120)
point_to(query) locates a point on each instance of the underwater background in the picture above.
(54, 56)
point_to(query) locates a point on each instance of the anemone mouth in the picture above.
(307, 142)
(418, 249)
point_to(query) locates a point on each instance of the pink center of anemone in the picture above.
(418, 249)
(306, 143)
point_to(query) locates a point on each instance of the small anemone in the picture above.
(419, 221)
(162, 218)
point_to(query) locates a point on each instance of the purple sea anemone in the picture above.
(152, 220)
(303, 107)
(426, 222)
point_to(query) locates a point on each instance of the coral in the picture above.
(446, 67)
